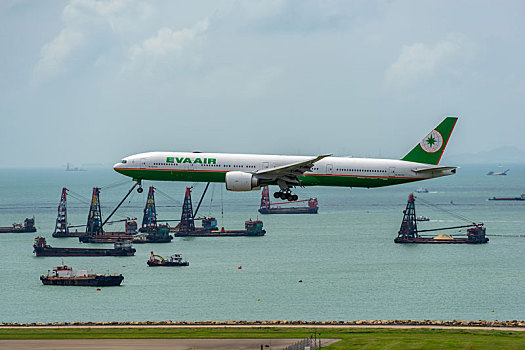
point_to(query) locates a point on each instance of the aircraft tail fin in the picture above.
(431, 147)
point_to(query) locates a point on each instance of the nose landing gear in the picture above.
(140, 189)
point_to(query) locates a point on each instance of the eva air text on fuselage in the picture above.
(179, 160)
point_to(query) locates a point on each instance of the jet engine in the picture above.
(241, 181)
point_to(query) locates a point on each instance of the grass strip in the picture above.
(369, 338)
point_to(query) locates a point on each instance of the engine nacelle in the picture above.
(241, 181)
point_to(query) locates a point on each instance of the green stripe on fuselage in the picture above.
(219, 176)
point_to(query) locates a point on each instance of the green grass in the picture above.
(362, 338)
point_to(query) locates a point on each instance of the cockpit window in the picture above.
(124, 161)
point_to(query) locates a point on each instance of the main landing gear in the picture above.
(140, 189)
(286, 195)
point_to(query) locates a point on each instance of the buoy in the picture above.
(239, 267)
(258, 299)
(492, 310)
(300, 281)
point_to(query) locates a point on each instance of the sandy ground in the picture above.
(157, 344)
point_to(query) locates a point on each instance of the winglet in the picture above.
(431, 147)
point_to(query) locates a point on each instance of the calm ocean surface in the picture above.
(350, 267)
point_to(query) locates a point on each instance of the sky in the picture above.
(89, 82)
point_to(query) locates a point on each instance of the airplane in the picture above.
(247, 172)
(498, 172)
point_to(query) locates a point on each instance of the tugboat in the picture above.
(64, 276)
(174, 260)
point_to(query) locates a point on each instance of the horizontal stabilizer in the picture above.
(438, 168)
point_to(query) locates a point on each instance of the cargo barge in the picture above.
(267, 207)
(161, 234)
(64, 276)
(210, 229)
(520, 198)
(119, 249)
(409, 233)
(138, 239)
(28, 226)
(174, 260)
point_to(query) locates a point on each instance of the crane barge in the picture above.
(186, 227)
(409, 233)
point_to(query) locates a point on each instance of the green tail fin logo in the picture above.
(431, 147)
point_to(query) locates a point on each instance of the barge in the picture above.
(267, 207)
(64, 276)
(160, 235)
(28, 226)
(210, 229)
(123, 248)
(409, 233)
(174, 260)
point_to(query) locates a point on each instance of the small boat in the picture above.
(174, 260)
(422, 218)
(64, 276)
(422, 190)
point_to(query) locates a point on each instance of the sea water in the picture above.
(345, 256)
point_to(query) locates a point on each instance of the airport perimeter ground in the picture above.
(252, 337)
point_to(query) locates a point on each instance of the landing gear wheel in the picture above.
(295, 197)
(277, 195)
(282, 195)
(140, 190)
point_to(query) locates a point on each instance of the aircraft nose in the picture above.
(118, 166)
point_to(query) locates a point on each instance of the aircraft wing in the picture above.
(289, 172)
(438, 168)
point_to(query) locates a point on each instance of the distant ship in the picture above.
(520, 198)
(498, 172)
(68, 168)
